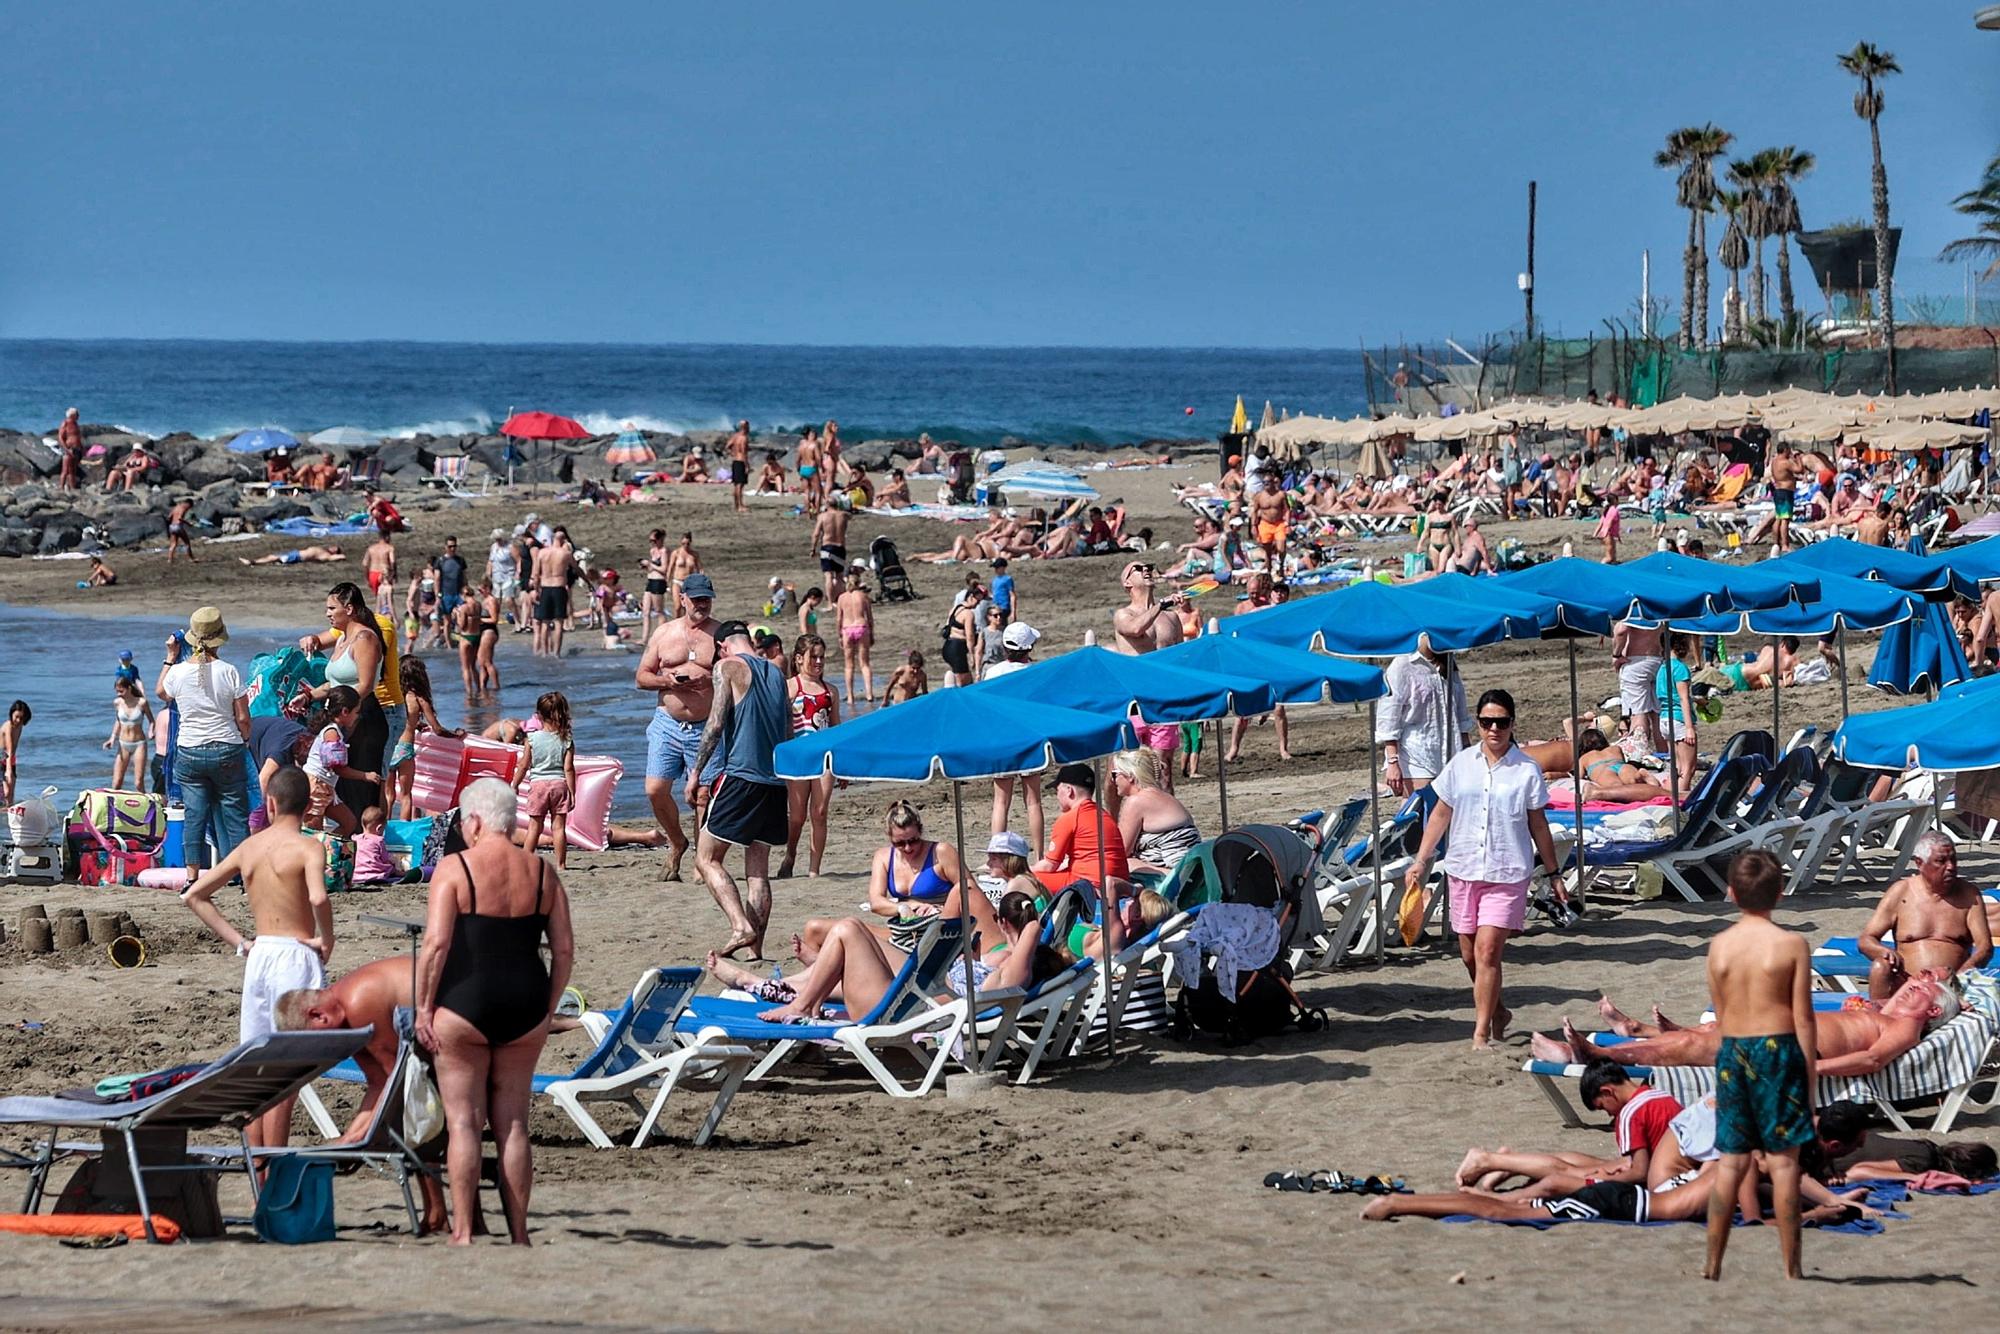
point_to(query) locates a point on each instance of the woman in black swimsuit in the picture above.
(484, 997)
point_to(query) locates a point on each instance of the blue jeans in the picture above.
(214, 790)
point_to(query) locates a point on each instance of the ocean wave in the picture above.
(611, 423)
(475, 423)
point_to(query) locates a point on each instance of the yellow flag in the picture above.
(1240, 422)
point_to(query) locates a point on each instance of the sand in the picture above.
(1124, 1192)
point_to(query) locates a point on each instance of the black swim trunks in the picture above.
(744, 811)
(551, 604)
(832, 559)
(1603, 1201)
(739, 472)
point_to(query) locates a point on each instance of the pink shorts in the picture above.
(546, 797)
(1164, 737)
(1477, 903)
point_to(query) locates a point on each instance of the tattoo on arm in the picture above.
(711, 735)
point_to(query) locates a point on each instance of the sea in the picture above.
(976, 395)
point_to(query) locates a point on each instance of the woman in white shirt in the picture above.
(1492, 799)
(209, 749)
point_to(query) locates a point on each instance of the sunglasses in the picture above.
(910, 842)
(1496, 720)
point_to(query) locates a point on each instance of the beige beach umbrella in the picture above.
(1812, 430)
(1374, 461)
(1913, 435)
(1388, 428)
(1269, 418)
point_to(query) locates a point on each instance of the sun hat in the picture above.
(1007, 843)
(1020, 636)
(206, 630)
(698, 585)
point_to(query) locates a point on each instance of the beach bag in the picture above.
(443, 841)
(31, 822)
(296, 1205)
(423, 1108)
(274, 680)
(1264, 1006)
(339, 860)
(135, 819)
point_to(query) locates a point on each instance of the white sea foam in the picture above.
(610, 423)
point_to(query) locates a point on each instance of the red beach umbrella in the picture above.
(541, 426)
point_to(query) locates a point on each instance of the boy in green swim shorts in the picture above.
(1760, 978)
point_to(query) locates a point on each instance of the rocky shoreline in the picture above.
(39, 518)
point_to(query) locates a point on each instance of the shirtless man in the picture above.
(682, 562)
(554, 567)
(1938, 917)
(1851, 1042)
(1637, 652)
(1140, 626)
(738, 449)
(809, 459)
(284, 877)
(365, 998)
(379, 564)
(677, 665)
(1782, 472)
(1872, 527)
(178, 538)
(101, 575)
(302, 556)
(829, 543)
(1271, 512)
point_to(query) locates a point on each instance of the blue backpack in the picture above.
(275, 677)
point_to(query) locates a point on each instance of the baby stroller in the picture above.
(889, 572)
(1255, 888)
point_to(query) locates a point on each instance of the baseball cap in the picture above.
(698, 585)
(1009, 844)
(728, 630)
(1020, 636)
(126, 656)
(1076, 775)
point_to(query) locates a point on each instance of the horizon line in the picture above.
(789, 346)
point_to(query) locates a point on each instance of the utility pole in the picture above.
(1528, 278)
(1646, 293)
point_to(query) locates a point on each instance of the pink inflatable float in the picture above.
(590, 815)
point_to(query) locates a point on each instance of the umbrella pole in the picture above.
(1687, 723)
(1576, 764)
(1777, 705)
(1221, 775)
(966, 955)
(1375, 834)
(1840, 643)
(1104, 917)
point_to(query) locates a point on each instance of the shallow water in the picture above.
(63, 665)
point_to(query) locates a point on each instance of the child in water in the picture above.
(908, 682)
(131, 729)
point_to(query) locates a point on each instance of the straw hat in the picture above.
(206, 630)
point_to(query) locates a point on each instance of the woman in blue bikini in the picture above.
(912, 877)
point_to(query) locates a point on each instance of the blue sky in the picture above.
(1146, 173)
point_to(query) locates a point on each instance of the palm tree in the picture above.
(1747, 178)
(1982, 204)
(1692, 152)
(1781, 210)
(1734, 252)
(1871, 64)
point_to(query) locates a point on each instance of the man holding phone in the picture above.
(1140, 626)
(678, 664)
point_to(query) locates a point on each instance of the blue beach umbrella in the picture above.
(1553, 616)
(1620, 591)
(1373, 620)
(959, 735)
(1843, 603)
(1954, 734)
(1975, 563)
(1098, 681)
(1891, 565)
(263, 440)
(1922, 653)
(1749, 588)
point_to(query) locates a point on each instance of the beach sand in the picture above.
(1123, 1192)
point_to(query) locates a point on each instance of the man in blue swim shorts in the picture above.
(678, 664)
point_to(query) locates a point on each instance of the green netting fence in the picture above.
(1646, 371)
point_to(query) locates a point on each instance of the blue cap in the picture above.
(126, 656)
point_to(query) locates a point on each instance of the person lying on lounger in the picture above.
(858, 966)
(1938, 918)
(1858, 1040)
(1608, 774)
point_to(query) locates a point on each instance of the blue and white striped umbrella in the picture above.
(1044, 480)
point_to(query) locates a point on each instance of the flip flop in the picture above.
(1291, 1181)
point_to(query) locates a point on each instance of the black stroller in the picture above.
(1266, 868)
(889, 571)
